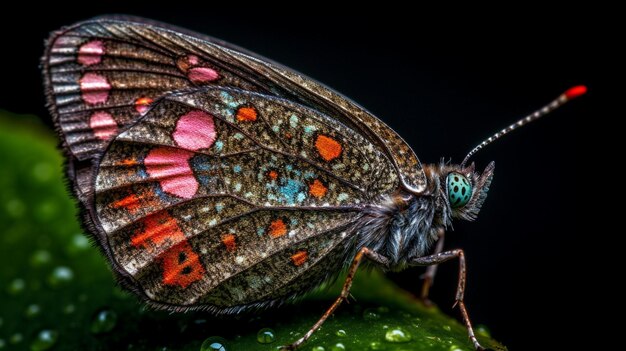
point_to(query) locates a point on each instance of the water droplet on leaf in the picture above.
(214, 343)
(60, 275)
(44, 340)
(338, 347)
(318, 348)
(78, 243)
(32, 311)
(482, 329)
(341, 333)
(371, 314)
(397, 335)
(103, 322)
(40, 258)
(265, 336)
(16, 286)
(447, 327)
(376, 345)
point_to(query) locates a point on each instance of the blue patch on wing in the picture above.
(290, 191)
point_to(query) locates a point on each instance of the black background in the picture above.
(444, 83)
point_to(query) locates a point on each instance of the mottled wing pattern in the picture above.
(224, 198)
(102, 74)
(210, 176)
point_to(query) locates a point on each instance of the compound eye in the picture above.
(459, 190)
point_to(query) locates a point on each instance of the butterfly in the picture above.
(215, 179)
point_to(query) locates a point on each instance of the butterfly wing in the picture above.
(175, 187)
(223, 198)
(102, 74)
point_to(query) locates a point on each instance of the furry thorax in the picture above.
(405, 226)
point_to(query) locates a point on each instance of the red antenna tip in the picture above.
(575, 92)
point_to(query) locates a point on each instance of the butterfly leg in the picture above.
(460, 290)
(345, 291)
(431, 271)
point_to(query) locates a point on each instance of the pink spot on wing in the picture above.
(103, 125)
(170, 167)
(91, 53)
(193, 60)
(195, 130)
(202, 75)
(94, 88)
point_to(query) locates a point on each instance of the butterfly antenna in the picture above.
(568, 95)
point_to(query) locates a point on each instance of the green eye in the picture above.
(459, 190)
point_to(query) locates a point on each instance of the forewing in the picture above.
(222, 198)
(101, 75)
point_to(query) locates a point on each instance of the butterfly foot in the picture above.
(427, 302)
(293, 345)
(477, 346)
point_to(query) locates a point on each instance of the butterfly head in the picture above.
(460, 189)
(463, 189)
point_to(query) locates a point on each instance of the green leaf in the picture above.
(58, 293)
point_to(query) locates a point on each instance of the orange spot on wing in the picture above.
(278, 228)
(186, 62)
(272, 174)
(157, 229)
(327, 147)
(181, 265)
(142, 103)
(299, 258)
(134, 202)
(130, 202)
(317, 189)
(229, 241)
(129, 162)
(246, 114)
